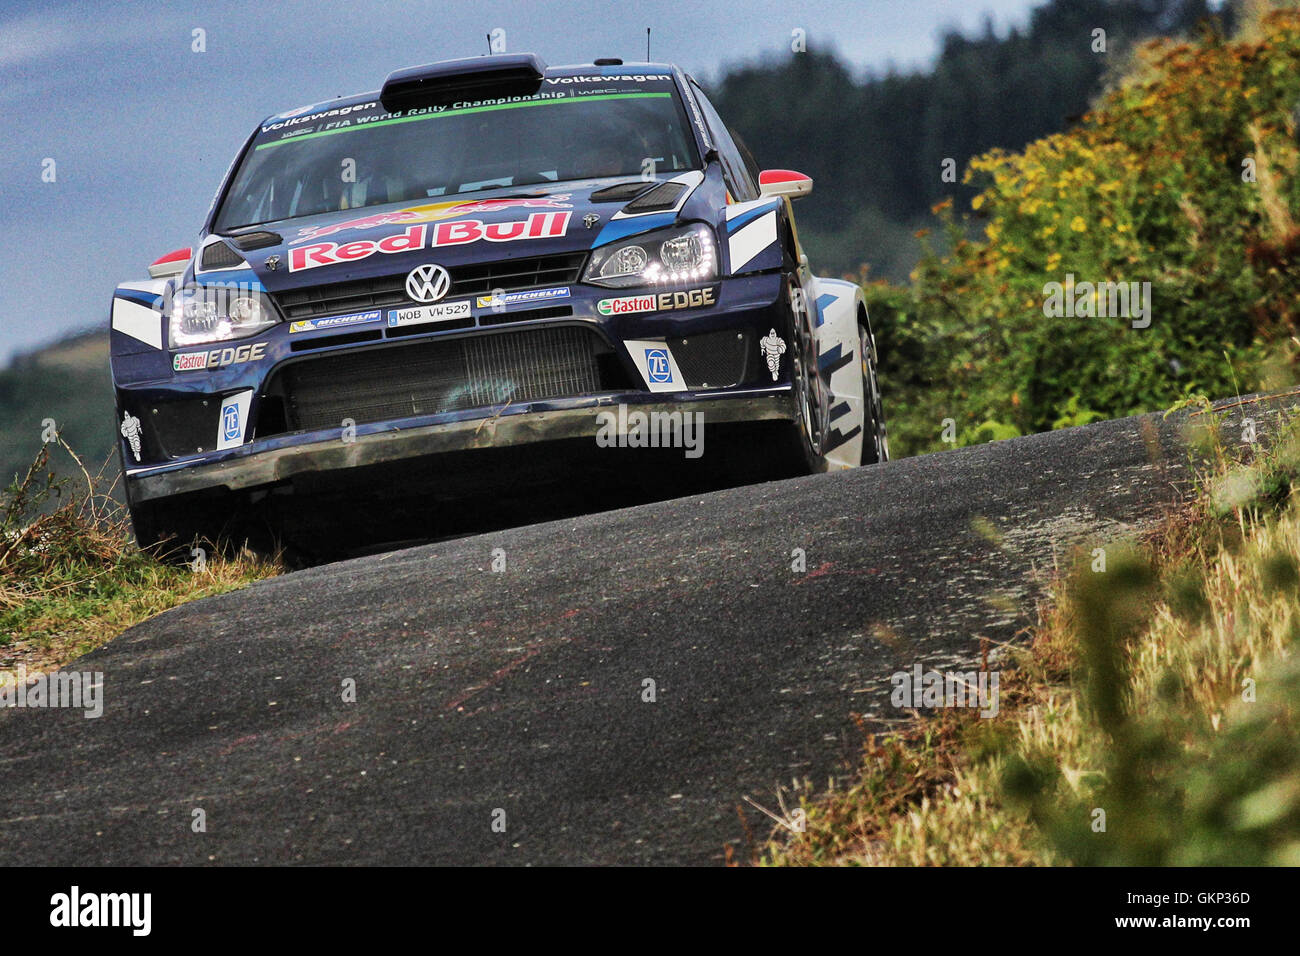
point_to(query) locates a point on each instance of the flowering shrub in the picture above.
(1182, 181)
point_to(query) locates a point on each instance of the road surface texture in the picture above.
(524, 690)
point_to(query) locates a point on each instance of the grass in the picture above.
(1153, 718)
(72, 578)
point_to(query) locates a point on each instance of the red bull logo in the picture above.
(433, 213)
(538, 225)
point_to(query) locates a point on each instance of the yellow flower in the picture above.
(977, 201)
(1078, 225)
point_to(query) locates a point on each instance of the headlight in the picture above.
(217, 313)
(666, 256)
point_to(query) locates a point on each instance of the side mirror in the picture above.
(172, 264)
(784, 182)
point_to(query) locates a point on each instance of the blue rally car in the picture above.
(437, 289)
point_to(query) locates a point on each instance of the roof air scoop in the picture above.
(469, 78)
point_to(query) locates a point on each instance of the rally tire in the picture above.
(875, 437)
(810, 428)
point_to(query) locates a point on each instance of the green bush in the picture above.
(1183, 180)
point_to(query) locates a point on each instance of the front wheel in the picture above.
(809, 434)
(875, 439)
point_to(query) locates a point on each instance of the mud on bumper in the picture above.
(278, 460)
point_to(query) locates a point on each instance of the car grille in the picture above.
(440, 375)
(479, 279)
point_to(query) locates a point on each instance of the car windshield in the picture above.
(359, 155)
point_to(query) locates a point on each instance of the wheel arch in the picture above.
(836, 305)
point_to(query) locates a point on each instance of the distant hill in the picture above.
(67, 382)
(875, 146)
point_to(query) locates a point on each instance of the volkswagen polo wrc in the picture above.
(394, 290)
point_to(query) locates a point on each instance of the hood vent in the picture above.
(249, 241)
(220, 256)
(621, 192)
(661, 197)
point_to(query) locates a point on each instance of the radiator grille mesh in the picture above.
(432, 377)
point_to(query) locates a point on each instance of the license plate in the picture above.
(441, 312)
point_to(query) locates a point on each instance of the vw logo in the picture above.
(427, 283)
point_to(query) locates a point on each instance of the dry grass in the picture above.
(1163, 692)
(71, 578)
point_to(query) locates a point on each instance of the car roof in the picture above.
(579, 69)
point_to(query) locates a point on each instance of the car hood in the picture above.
(517, 222)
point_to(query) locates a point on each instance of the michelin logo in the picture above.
(772, 347)
(504, 299)
(334, 322)
(131, 432)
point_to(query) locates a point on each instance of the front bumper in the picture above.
(273, 461)
(182, 444)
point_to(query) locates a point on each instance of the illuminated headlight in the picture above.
(217, 313)
(665, 257)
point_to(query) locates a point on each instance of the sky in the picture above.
(141, 127)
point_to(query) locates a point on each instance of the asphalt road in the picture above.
(522, 690)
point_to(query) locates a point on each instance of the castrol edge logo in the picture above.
(218, 357)
(658, 302)
(459, 232)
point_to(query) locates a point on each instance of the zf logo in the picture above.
(656, 363)
(230, 421)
